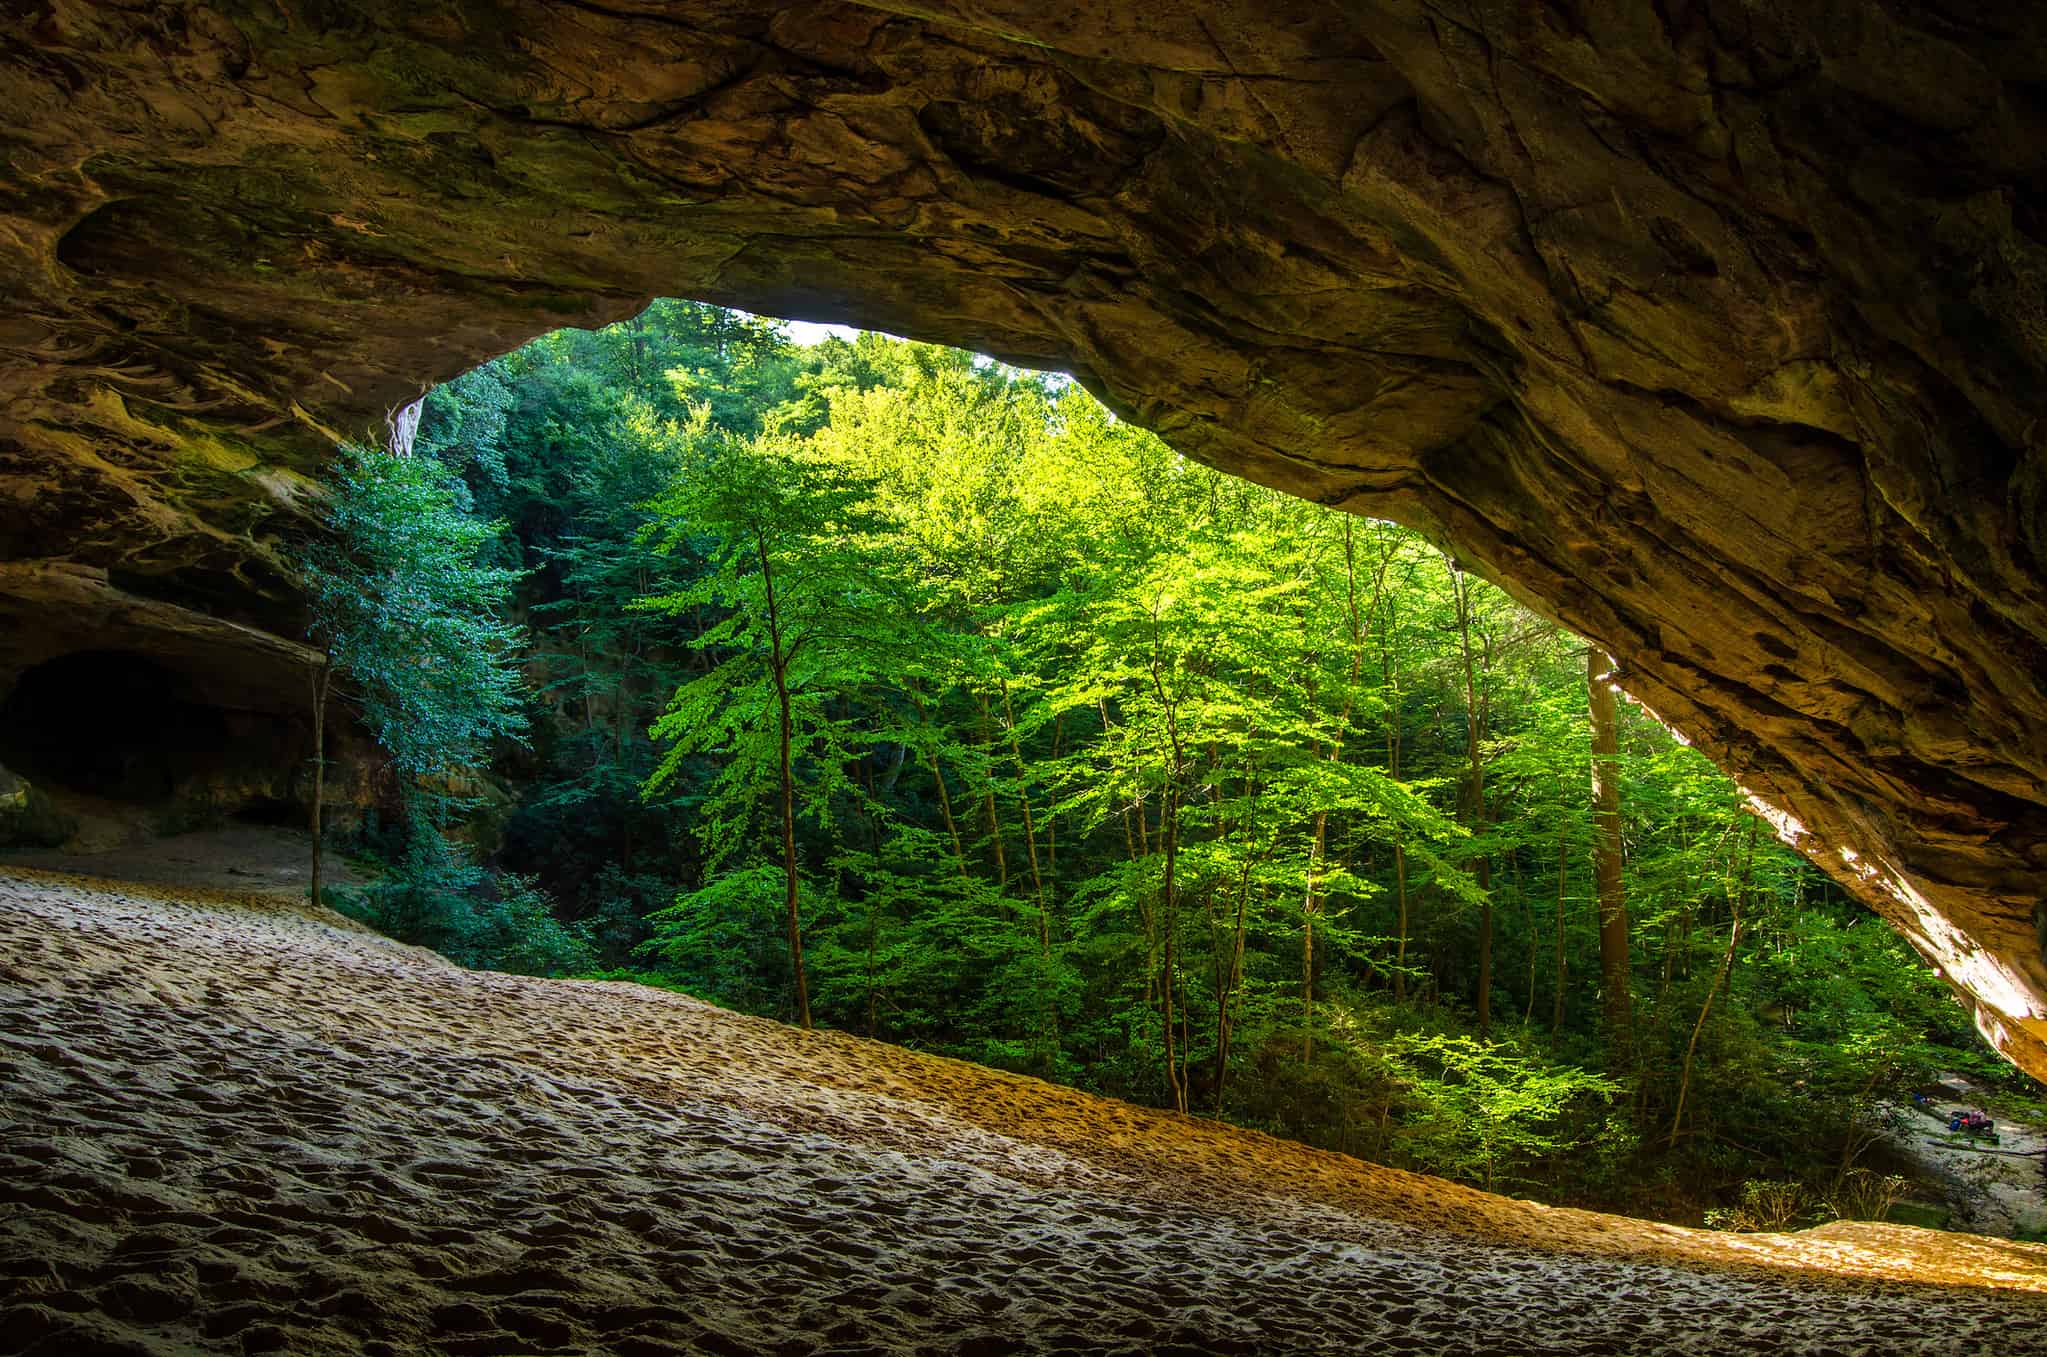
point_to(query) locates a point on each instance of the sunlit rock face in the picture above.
(1715, 332)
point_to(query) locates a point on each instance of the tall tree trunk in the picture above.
(952, 829)
(1308, 976)
(1169, 826)
(1400, 925)
(1030, 825)
(988, 803)
(1389, 671)
(589, 692)
(1740, 897)
(1606, 852)
(1474, 720)
(873, 913)
(1131, 839)
(1229, 965)
(1052, 816)
(1311, 895)
(1354, 625)
(1225, 1016)
(793, 895)
(1672, 927)
(320, 679)
(1167, 984)
(1563, 863)
(1534, 939)
(639, 354)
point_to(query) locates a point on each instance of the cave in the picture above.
(110, 724)
(120, 734)
(1713, 335)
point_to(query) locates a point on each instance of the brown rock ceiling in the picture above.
(1715, 331)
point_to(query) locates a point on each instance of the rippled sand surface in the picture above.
(228, 1124)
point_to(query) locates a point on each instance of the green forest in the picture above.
(881, 687)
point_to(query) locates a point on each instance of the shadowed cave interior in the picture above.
(111, 724)
(143, 739)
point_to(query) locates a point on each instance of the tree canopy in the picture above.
(886, 687)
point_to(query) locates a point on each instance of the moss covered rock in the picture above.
(28, 818)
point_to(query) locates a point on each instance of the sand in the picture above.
(228, 1124)
(234, 857)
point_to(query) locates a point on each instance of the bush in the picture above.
(1341, 1100)
(424, 894)
(28, 818)
(1864, 1195)
(1766, 1207)
(433, 896)
(1483, 1111)
(519, 932)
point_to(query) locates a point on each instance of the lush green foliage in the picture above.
(1081, 759)
(432, 894)
(413, 621)
(412, 616)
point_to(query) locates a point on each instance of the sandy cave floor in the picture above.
(118, 841)
(230, 1125)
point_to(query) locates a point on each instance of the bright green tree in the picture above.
(1026, 739)
(810, 612)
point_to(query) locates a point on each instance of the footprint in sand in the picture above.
(233, 1127)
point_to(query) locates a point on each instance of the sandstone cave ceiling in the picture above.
(1715, 331)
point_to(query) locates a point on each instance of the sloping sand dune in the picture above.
(227, 1125)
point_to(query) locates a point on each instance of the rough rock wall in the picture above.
(1715, 331)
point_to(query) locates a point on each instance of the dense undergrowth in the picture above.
(1069, 756)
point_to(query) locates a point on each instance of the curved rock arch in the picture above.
(1714, 331)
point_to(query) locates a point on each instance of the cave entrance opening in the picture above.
(275, 812)
(111, 724)
(108, 728)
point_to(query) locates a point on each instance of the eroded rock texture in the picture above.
(1715, 331)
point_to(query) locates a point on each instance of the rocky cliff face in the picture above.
(1716, 331)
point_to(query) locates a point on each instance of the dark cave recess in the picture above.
(121, 726)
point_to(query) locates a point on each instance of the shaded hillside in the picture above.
(230, 1126)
